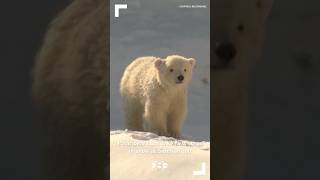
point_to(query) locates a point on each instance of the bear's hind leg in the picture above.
(133, 116)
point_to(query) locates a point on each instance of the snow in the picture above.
(146, 156)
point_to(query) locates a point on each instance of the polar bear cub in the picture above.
(154, 94)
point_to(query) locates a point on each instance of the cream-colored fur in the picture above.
(71, 90)
(153, 97)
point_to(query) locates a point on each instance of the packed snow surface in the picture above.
(146, 156)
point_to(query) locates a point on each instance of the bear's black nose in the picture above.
(180, 78)
(226, 52)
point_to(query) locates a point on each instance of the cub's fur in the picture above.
(154, 93)
(71, 88)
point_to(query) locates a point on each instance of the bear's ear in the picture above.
(158, 63)
(192, 61)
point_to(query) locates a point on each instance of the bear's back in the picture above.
(141, 63)
(72, 53)
(138, 73)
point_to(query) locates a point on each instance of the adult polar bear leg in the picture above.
(155, 118)
(177, 115)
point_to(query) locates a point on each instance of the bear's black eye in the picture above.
(171, 70)
(185, 70)
(240, 27)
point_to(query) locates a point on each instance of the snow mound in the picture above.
(146, 156)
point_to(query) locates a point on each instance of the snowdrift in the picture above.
(146, 156)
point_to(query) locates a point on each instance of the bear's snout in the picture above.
(180, 78)
(226, 52)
